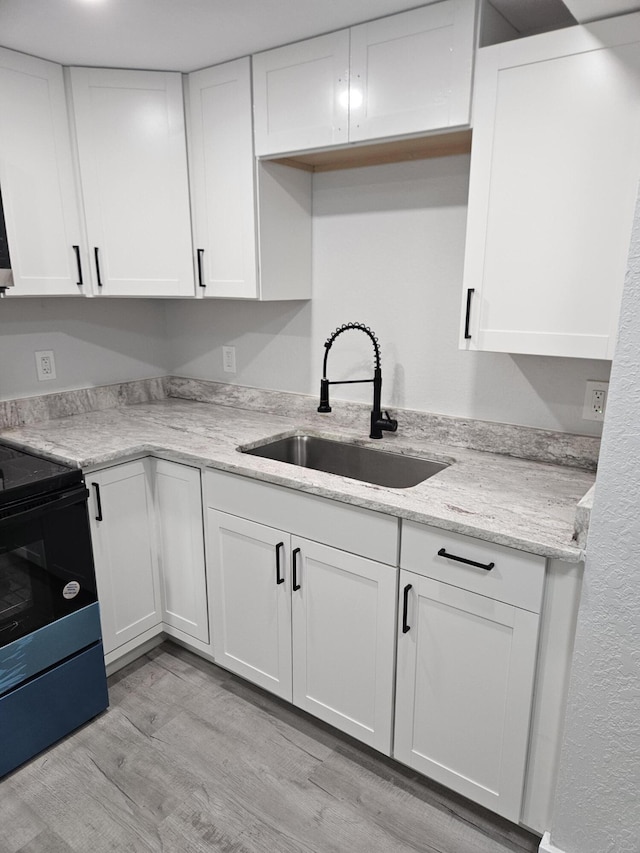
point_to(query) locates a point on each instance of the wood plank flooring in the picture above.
(191, 759)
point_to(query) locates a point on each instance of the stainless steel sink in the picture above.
(349, 460)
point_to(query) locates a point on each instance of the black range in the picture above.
(24, 475)
(52, 674)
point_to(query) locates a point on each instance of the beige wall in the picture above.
(388, 245)
(94, 342)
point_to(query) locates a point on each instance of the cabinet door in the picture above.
(36, 177)
(463, 691)
(223, 199)
(301, 95)
(178, 506)
(251, 600)
(132, 152)
(554, 175)
(411, 72)
(343, 640)
(122, 528)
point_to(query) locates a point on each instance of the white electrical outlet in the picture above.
(229, 359)
(595, 401)
(45, 365)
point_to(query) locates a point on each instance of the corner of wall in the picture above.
(546, 846)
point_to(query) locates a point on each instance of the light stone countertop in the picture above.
(526, 505)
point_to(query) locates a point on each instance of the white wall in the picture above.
(597, 807)
(388, 251)
(95, 342)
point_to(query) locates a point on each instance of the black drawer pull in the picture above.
(405, 606)
(80, 281)
(201, 282)
(486, 566)
(98, 501)
(467, 319)
(279, 579)
(296, 585)
(96, 255)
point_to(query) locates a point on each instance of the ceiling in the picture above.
(533, 16)
(179, 35)
(183, 35)
(591, 10)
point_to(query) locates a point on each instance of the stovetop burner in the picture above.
(24, 475)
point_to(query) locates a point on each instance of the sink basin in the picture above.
(349, 460)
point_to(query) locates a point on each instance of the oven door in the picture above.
(46, 563)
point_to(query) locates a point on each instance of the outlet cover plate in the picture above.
(595, 400)
(45, 365)
(229, 359)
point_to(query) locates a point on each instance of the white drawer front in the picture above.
(359, 531)
(516, 577)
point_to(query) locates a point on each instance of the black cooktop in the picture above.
(23, 475)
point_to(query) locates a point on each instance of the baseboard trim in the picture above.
(546, 846)
(136, 652)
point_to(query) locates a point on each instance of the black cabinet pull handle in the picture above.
(296, 585)
(200, 253)
(96, 254)
(405, 607)
(467, 319)
(486, 566)
(98, 501)
(80, 281)
(279, 579)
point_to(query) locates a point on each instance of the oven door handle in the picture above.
(36, 508)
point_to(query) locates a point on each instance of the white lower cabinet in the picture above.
(311, 623)
(148, 544)
(466, 664)
(343, 637)
(465, 675)
(251, 609)
(178, 510)
(298, 612)
(125, 554)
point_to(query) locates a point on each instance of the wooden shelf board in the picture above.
(375, 154)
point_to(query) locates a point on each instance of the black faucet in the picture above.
(378, 421)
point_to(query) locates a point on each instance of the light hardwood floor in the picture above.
(191, 759)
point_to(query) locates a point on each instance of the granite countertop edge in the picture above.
(79, 440)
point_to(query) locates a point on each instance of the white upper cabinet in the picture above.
(412, 72)
(36, 179)
(251, 223)
(554, 176)
(133, 165)
(221, 159)
(406, 74)
(301, 95)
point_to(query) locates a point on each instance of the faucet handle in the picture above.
(384, 422)
(391, 423)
